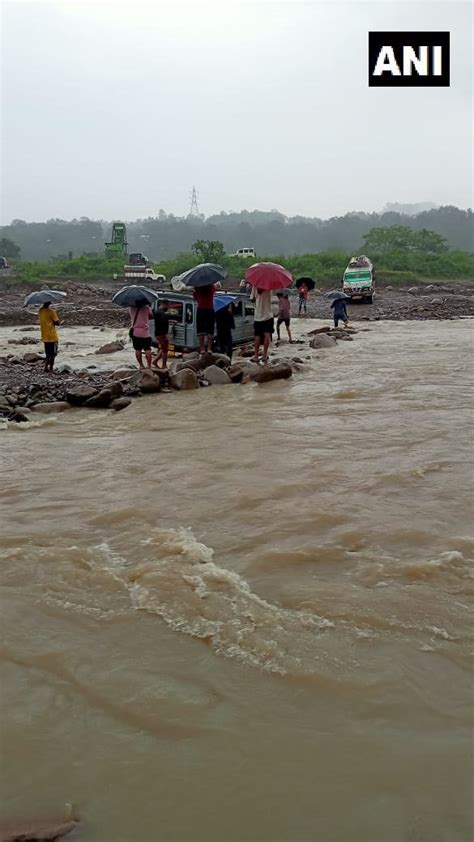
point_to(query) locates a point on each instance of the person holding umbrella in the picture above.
(140, 315)
(138, 299)
(340, 311)
(265, 277)
(49, 321)
(205, 279)
(303, 298)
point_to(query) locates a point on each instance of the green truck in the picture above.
(359, 279)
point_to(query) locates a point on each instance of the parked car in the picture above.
(182, 315)
(246, 252)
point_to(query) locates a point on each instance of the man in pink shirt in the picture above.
(140, 332)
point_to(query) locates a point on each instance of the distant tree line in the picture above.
(165, 236)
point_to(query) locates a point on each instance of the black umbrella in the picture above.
(336, 294)
(203, 275)
(134, 294)
(53, 296)
(304, 280)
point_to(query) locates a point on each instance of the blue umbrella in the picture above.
(134, 294)
(43, 296)
(203, 275)
(335, 294)
(221, 301)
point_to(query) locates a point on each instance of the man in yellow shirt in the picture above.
(48, 319)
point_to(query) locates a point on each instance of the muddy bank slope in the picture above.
(90, 304)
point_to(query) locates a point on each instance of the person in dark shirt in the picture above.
(225, 323)
(205, 316)
(162, 324)
(340, 312)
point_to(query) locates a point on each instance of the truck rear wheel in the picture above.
(369, 299)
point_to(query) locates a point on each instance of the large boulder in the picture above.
(78, 395)
(236, 373)
(111, 347)
(221, 360)
(248, 366)
(116, 389)
(184, 379)
(433, 302)
(32, 357)
(281, 371)
(339, 333)
(51, 407)
(324, 329)
(123, 373)
(36, 830)
(100, 401)
(216, 376)
(322, 341)
(17, 416)
(413, 291)
(193, 364)
(120, 403)
(25, 340)
(146, 381)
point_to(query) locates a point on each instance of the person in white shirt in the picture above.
(263, 322)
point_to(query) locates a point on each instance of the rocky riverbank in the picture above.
(26, 389)
(90, 304)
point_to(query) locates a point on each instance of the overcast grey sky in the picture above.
(114, 110)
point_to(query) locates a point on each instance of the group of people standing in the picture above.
(218, 325)
(141, 315)
(211, 325)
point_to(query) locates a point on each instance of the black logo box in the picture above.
(399, 40)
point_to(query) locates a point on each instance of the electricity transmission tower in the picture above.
(194, 209)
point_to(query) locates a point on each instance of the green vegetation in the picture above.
(397, 238)
(209, 251)
(165, 236)
(8, 248)
(399, 254)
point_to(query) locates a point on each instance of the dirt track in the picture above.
(89, 304)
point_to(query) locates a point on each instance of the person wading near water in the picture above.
(303, 299)
(205, 316)
(263, 322)
(340, 312)
(284, 314)
(225, 324)
(162, 324)
(49, 320)
(140, 332)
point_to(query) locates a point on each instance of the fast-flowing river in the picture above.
(244, 614)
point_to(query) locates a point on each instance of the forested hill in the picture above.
(165, 236)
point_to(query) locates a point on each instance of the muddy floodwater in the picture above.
(244, 614)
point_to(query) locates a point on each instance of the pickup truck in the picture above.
(141, 274)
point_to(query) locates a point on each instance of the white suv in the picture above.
(244, 253)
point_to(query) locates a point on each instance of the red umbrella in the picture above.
(269, 276)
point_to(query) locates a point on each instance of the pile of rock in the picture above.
(327, 337)
(26, 388)
(194, 371)
(25, 340)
